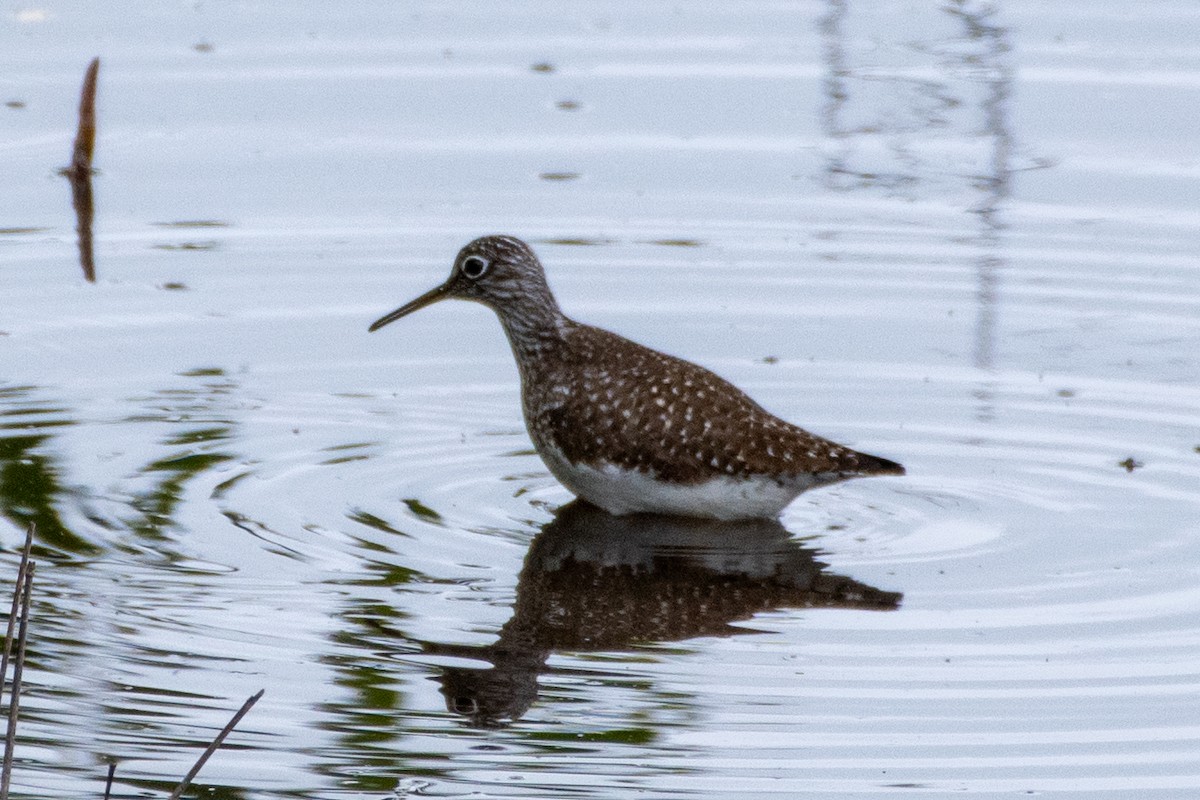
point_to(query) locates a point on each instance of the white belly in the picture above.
(623, 491)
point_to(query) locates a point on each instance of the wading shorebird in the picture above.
(630, 429)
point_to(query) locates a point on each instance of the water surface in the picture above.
(963, 237)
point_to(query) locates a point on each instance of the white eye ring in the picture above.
(474, 266)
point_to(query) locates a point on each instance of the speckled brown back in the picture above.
(600, 398)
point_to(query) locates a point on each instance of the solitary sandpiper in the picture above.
(630, 429)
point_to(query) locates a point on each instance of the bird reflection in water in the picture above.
(597, 582)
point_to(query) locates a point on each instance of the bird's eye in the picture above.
(474, 266)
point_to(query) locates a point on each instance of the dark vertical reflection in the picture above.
(883, 126)
(836, 74)
(996, 74)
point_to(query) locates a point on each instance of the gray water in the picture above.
(960, 235)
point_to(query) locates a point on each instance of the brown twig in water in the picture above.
(80, 171)
(21, 590)
(85, 135)
(14, 700)
(16, 606)
(212, 748)
(112, 770)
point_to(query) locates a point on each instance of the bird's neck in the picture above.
(534, 325)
